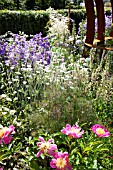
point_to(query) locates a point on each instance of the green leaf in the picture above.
(79, 154)
(95, 143)
(87, 149)
(57, 134)
(74, 151)
(81, 145)
(99, 145)
(42, 156)
(17, 148)
(83, 124)
(34, 165)
(101, 149)
(4, 156)
(1, 157)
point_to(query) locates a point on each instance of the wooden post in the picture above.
(69, 9)
(90, 21)
(90, 41)
(101, 27)
(90, 27)
(100, 19)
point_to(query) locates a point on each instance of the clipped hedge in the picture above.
(29, 22)
(32, 22)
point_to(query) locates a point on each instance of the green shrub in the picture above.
(33, 22)
(29, 22)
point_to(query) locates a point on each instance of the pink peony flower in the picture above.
(74, 131)
(5, 134)
(1, 168)
(100, 130)
(46, 147)
(61, 161)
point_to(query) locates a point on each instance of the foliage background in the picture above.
(40, 100)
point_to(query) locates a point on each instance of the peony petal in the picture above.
(41, 139)
(39, 153)
(39, 143)
(11, 128)
(53, 163)
(7, 139)
(53, 147)
(51, 153)
(68, 126)
(68, 167)
(65, 154)
(64, 131)
(50, 140)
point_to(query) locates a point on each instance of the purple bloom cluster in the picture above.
(108, 23)
(15, 48)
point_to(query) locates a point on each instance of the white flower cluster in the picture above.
(59, 23)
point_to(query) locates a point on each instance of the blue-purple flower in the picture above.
(18, 49)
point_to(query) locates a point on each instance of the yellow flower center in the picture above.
(2, 132)
(45, 147)
(77, 131)
(60, 163)
(100, 131)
